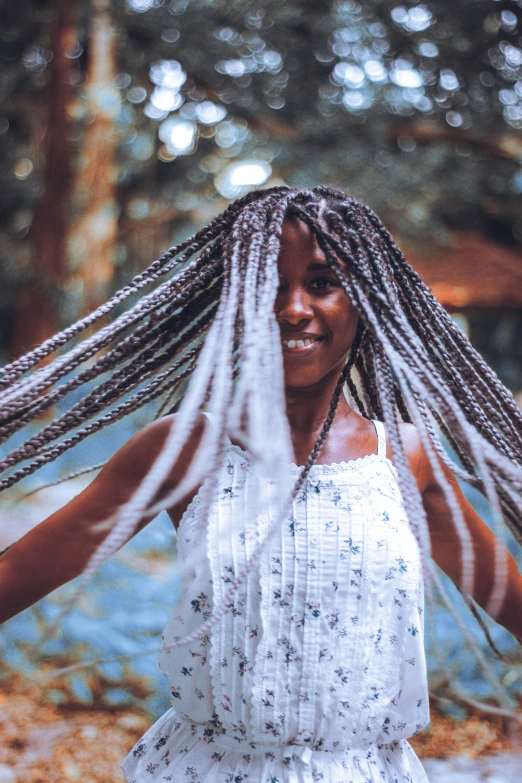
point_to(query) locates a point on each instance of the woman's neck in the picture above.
(308, 407)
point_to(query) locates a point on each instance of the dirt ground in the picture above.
(41, 743)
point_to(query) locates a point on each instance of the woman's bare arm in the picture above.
(58, 549)
(446, 548)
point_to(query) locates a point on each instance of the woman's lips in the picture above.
(300, 350)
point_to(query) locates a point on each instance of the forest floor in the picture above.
(42, 743)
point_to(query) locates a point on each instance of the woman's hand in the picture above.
(58, 549)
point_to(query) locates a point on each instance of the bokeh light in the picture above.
(23, 168)
(168, 74)
(179, 135)
(404, 75)
(414, 19)
(210, 113)
(241, 176)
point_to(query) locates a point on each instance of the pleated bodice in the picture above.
(324, 641)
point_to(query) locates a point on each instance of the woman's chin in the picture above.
(300, 379)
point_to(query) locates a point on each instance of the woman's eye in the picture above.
(322, 283)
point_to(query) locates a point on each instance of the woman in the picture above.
(296, 651)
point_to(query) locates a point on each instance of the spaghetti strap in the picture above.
(381, 438)
(210, 417)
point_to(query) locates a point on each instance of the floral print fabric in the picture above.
(316, 672)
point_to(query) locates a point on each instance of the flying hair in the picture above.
(206, 337)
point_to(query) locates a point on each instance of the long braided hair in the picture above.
(211, 320)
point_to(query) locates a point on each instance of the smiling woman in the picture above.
(306, 517)
(316, 318)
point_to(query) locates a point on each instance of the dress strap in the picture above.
(210, 417)
(381, 438)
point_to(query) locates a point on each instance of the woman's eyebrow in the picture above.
(318, 267)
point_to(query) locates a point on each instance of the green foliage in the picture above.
(411, 107)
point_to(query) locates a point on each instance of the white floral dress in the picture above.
(317, 671)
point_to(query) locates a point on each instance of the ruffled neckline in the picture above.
(332, 467)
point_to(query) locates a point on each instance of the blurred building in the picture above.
(479, 281)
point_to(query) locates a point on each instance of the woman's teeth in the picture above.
(299, 343)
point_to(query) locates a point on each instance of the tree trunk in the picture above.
(36, 318)
(92, 237)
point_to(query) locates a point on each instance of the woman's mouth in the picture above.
(301, 346)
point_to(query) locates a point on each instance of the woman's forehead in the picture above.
(299, 244)
(294, 228)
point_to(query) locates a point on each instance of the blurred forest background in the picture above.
(127, 124)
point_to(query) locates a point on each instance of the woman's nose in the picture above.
(293, 306)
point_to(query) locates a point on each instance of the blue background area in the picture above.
(123, 612)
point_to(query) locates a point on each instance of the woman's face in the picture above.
(316, 317)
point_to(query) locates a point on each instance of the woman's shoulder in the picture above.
(413, 449)
(137, 455)
(410, 438)
(155, 432)
(416, 454)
